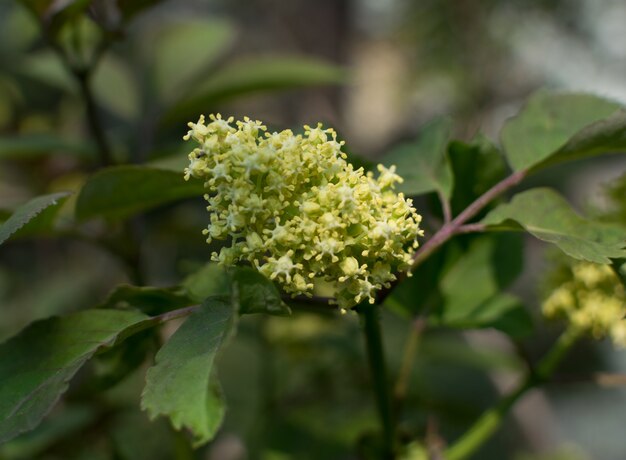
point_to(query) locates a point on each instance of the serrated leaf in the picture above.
(28, 212)
(184, 51)
(250, 75)
(471, 290)
(604, 136)
(546, 124)
(463, 287)
(118, 192)
(424, 164)
(503, 311)
(179, 385)
(548, 216)
(37, 364)
(254, 293)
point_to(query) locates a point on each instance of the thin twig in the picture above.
(448, 230)
(454, 227)
(93, 118)
(471, 228)
(82, 75)
(175, 314)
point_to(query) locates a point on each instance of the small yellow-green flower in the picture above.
(592, 300)
(294, 208)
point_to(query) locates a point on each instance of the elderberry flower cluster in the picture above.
(294, 208)
(592, 300)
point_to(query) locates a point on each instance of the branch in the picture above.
(455, 227)
(93, 119)
(471, 228)
(82, 74)
(378, 372)
(450, 229)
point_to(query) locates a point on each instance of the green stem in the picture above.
(408, 358)
(491, 420)
(93, 117)
(378, 371)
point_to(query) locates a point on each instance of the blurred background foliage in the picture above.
(297, 388)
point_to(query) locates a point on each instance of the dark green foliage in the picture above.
(96, 103)
(37, 364)
(477, 166)
(180, 384)
(547, 216)
(424, 164)
(548, 122)
(119, 192)
(28, 212)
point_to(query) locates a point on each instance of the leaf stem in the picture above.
(378, 372)
(450, 229)
(490, 421)
(175, 314)
(408, 357)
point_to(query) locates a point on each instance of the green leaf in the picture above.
(604, 136)
(463, 287)
(548, 216)
(211, 280)
(504, 312)
(115, 88)
(546, 124)
(254, 293)
(37, 364)
(476, 166)
(471, 289)
(619, 266)
(251, 75)
(424, 164)
(148, 299)
(180, 384)
(121, 191)
(29, 146)
(186, 50)
(27, 212)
